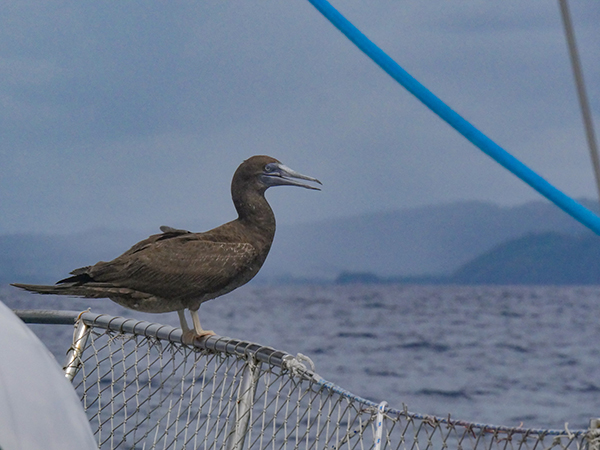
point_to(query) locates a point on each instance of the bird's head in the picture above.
(261, 172)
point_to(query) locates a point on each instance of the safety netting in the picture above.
(143, 388)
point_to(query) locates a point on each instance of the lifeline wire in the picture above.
(455, 120)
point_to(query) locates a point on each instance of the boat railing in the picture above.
(143, 387)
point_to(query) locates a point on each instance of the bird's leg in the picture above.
(184, 325)
(190, 335)
(197, 327)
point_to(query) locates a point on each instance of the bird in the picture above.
(178, 269)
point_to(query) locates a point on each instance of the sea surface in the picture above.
(503, 355)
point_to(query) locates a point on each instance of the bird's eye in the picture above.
(270, 167)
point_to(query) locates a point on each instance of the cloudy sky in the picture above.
(130, 115)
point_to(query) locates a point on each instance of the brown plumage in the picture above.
(177, 269)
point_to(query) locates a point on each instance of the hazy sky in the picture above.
(136, 114)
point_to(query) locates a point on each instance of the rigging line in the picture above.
(581, 93)
(485, 144)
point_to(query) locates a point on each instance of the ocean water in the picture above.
(504, 355)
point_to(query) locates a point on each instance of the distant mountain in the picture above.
(545, 258)
(413, 243)
(371, 278)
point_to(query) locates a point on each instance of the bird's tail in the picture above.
(72, 289)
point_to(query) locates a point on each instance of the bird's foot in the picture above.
(190, 336)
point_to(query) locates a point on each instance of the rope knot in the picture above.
(297, 365)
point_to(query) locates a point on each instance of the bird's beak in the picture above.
(282, 175)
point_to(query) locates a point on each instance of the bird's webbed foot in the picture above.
(189, 336)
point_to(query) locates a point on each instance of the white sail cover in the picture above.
(38, 406)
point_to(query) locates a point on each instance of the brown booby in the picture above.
(178, 269)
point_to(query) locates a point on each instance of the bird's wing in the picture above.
(181, 267)
(167, 233)
(173, 231)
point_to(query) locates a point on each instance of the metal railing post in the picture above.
(80, 338)
(245, 400)
(593, 435)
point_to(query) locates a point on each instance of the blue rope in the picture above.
(489, 147)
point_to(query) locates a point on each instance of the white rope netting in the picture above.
(143, 388)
